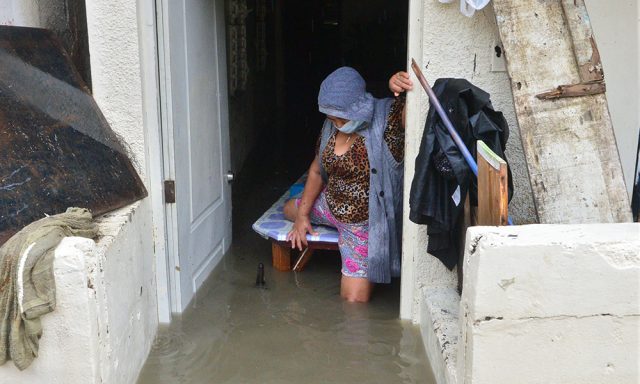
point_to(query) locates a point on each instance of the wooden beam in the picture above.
(493, 194)
(569, 145)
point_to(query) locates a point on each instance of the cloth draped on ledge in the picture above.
(27, 283)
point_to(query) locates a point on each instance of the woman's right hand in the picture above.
(400, 82)
(298, 234)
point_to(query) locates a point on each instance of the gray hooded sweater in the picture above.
(343, 94)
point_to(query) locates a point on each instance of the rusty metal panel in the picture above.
(56, 148)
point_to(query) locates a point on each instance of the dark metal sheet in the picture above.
(56, 148)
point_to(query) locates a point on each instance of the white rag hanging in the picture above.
(469, 7)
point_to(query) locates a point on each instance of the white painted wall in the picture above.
(124, 70)
(615, 26)
(22, 13)
(454, 46)
(541, 304)
(126, 270)
(118, 318)
(551, 304)
(104, 324)
(114, 46)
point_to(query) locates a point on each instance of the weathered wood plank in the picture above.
(584, 44)
(569, 144)
(493, 196)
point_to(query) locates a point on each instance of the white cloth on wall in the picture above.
(469, 7)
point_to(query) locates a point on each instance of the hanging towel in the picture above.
(27, 284)
(469, 7)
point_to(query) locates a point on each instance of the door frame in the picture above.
(156, 81)
(151, 44)
(409, 297)
(172, 262)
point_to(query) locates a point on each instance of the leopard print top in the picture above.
(347, 189)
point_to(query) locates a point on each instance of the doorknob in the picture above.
(230, 176)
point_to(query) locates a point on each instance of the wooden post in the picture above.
(281, 256)
(569, 145)
(493, 194)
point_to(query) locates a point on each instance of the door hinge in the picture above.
(169, 191)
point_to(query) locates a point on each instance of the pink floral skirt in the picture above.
(353, 239)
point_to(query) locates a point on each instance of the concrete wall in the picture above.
(114, 46)
(454, 46)
(127, 272)
(551, 304)
(116, 318)
(540, 304)
(457, 46)
(615, 25)
(104, 324)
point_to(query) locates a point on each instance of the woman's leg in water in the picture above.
(354, 250)
(353, 244)
(356, 289)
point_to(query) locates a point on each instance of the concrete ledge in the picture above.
(553, 270)
(551, 304)
(105, 319)
(440, 331)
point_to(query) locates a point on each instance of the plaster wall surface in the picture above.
(615, 26)
(454, 45)
(440, 329)
(126, 269)
(22, 13)
(114, 47)
(104, 324)
(541, 296)
(115, 326)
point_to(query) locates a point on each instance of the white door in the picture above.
(195, 100)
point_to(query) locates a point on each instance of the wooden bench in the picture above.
(273, 226)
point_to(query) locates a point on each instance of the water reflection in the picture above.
(295, 330)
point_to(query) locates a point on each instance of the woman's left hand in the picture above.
(400, 82)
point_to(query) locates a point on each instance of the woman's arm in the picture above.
(312, 188)
(399, 83)
(302, 224)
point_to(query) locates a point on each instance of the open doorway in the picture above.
(238, 94)
(294, 329)
(278, 54)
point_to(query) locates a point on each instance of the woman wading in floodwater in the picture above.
(355, 181)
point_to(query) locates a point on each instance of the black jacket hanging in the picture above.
(442, 177)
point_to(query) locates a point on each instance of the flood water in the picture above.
(296, 330)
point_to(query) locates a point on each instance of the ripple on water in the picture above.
(172, 344)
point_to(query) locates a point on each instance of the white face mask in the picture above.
(351, 126)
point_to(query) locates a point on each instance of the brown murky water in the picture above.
(297, 330)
